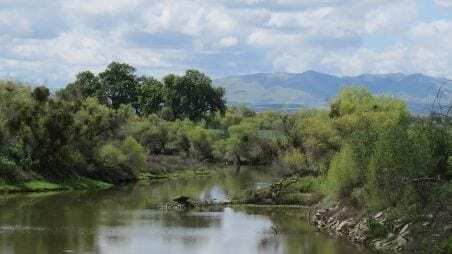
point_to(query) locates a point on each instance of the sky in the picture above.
(49, 41)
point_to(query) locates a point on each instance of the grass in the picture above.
(179, 174)
(46, 186)
(39, 185)
(6, 187)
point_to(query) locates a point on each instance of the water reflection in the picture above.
(127, 220)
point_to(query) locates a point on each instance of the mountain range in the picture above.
(314, 89)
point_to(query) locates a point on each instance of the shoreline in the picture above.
(38, 185)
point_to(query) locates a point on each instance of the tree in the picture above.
(41, 94)
(120, 161)
(118, 85)
(150, 96)
(358, 117)
(240, 141)
(192, 96)
(86, 85)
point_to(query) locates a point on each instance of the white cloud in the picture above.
(444, 3)
(227, 42)
(51, 40)
(94, 7)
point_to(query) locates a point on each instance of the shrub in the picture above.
(202, 141)
(320, 140)
(178, 141)
(308, 184)
(121, 161)
(389, 168)
(295, 160)
(152, 133)
(135, 155)
(343, 174)
(8, 168)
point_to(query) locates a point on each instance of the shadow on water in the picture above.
(127, 220)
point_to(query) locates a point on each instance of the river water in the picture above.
(128, 220)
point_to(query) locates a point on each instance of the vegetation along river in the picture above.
(129, 220)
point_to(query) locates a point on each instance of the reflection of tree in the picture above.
(189, 220)
(270, 243)
(48, 224)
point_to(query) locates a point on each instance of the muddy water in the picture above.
(128, 220)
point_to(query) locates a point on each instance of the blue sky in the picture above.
(49, 41)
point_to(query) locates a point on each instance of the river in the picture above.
(128, 220)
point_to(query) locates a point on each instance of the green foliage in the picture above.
(135, 155)
(295, 160)
(151, 132)
(178, 136)
(39, 185)
(344, 174)
(377, 229)
(191, 96)
(235, 115)
(241, 138)
(118, 85)
(319, 140)
(308, 184)
(86, 85)
(120, 161)
(150, 96)
(202, 141)
(446, 245)
(358, 117)
(41, 94)
(401, 159)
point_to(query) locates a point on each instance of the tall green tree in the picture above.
(192, 96)
(118, 85)
(86, 85)
(150, 96)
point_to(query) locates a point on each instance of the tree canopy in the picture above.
(191, 96)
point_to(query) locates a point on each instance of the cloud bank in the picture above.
(49, 41)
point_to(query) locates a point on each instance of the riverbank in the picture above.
(372, 231)
(387, 231)
(428, 232)
(164, 167)
(38, 185)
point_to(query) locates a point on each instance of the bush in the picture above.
(343, 175)
(319, 139)
(8, 168)
(202, 142)
(308, 184)
(152, 132)
(391, 164)
(121, 161)
(178, 140)
(135, 155)
(295, 160)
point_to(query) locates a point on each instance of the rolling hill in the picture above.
(290, 91)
